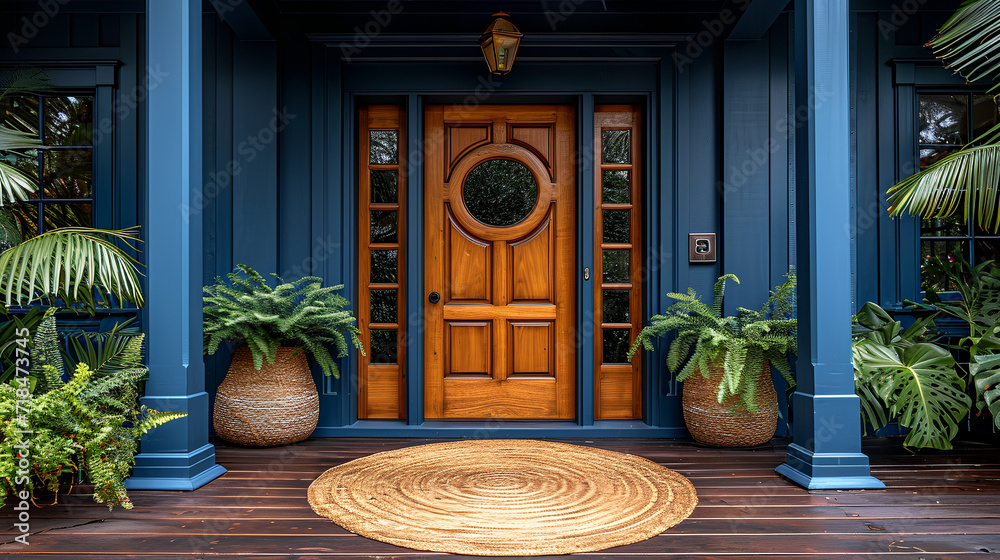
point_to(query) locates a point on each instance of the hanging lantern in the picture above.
(499, 43)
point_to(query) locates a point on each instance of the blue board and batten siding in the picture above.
(278, 181)
(309, 227)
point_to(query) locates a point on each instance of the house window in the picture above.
(946, 122)
(617, 278)
(382, 250)
(62, 169)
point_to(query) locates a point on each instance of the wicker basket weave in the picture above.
(727, 424)
(275, 405)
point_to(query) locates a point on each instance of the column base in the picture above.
(828, 471)
(175, 471)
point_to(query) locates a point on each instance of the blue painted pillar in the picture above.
(825, 452)
(177, 455)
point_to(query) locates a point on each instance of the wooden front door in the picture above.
(499, 256)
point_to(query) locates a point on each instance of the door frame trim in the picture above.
(339, 88)
(586, 368)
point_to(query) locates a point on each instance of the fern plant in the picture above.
(301, 313)
(87, 426)
(741, 344)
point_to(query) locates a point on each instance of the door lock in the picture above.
(586, 273)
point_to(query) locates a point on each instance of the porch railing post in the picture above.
(177, 455)
(826, 448)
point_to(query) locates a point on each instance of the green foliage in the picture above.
(59, 262)
(300, 313)
(89, 424)
(969, 42)
(8, 351)
(83, 267)
(742, 344)
(978, 307)
(901, 374)
(985, 372)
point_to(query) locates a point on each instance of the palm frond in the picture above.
(23, 80)
(58, 263)
(970, 176)
(14, 184)
(10, 230)
(970, 40)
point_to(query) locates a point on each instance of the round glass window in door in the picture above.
(500, 192)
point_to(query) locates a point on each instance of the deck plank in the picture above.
(937, 505)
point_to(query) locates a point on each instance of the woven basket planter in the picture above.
(727, 424)
(275, 405)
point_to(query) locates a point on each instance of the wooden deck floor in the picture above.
(937, 506)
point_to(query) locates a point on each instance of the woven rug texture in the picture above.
(503, 497)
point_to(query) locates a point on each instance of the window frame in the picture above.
(41, 202)
(606, 405)
(971, 236)
(118, 125)
(377, 380)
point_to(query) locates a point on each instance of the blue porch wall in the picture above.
(304, 195)
(733, 168)
(268, 211)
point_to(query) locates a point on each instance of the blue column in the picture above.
(177, 455)
(826, 448)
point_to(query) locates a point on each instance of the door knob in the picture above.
(434, 297)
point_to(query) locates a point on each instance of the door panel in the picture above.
(500, 342)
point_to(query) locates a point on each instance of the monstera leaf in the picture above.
(920, 385)
(985, 372)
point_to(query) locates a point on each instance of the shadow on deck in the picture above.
(937, 505)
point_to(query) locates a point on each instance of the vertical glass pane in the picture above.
(616, 345)
(26, 215)
(988, 249)
(383, 346)
(616, 226)
(943, 227)
(616, 146)
(930, 156)
(385, 185)
(383, 147)
(26, 162)
(615, 306)
(983, 231)
(383, 306)
(62, 214)
(383, 266)
(615, 266)
(948, 251)
(384, 226)
(985, 114)
(20, 113)
(943, 119)
(68, 121)
(68, 173)
(615, 187)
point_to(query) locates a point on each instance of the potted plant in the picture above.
(268, 396)
(725, 362)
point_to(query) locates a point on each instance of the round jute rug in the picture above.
(503, 497)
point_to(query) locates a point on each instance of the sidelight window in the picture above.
(617, 296)
(382, 246)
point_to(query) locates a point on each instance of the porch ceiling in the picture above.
(456, 16)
